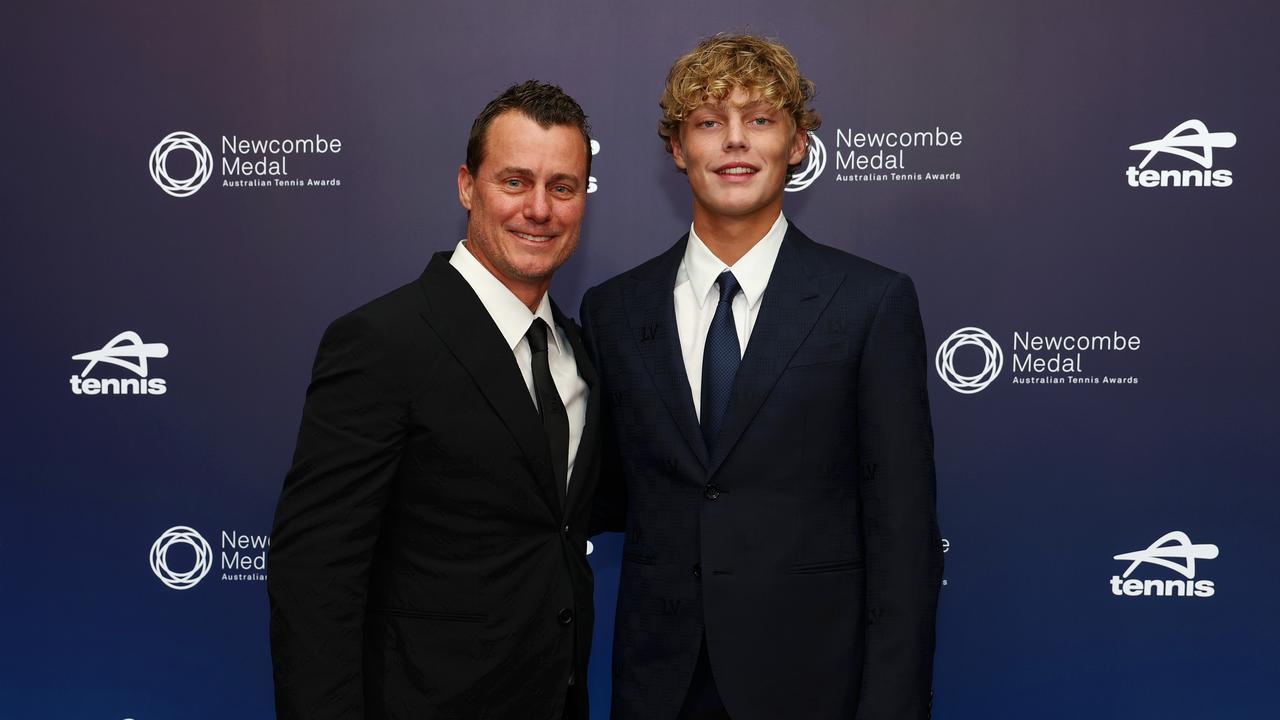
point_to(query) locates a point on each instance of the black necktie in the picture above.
(554, 419)
(720, 361)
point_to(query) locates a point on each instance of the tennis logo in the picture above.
(593, 184)
(184, 141)
(815, 161)
(1190, 134)
(180, 535)
(125, 350)
(992, 360)
(1165, 552)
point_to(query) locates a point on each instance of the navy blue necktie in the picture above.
(720, 361)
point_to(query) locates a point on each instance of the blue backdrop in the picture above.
(1036, 229)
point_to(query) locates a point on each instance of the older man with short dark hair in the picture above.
(428, 558)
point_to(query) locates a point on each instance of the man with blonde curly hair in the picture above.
(769, 430)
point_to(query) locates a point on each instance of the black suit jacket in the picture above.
(423, 562)
(806, 548)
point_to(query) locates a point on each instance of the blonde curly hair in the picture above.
(723, 62)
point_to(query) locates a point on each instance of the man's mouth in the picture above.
(737, 170)
(532, 238)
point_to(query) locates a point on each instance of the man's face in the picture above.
(736, 154)
(526, 201)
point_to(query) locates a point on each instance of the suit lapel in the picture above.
(797, 294)
(651, 314)
(466, 328)
(590, 431)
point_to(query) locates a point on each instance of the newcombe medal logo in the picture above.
(970, 360)
(815, 161)
(181, 142)
(184, 579)
(241, 557)
(252, 163)
(992, 360)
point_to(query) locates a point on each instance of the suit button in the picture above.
(697, 569)
(565, 617)
(711, 491)
(566, 529)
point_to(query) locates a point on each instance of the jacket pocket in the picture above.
(828, 566)
(436, 615)
(821, 354)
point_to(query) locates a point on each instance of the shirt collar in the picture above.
(752, 270)
(510, 314)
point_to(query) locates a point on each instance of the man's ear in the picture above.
(677, 152)
(466, 184)
(799, 147)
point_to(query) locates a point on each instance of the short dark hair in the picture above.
(541, 102)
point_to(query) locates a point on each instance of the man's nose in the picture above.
(537, 206)
(735, 135)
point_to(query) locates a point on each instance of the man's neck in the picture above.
(729, 238)
(529, 292)
(531, 298)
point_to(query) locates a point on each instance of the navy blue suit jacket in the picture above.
(806, 548)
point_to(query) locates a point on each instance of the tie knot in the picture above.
(728, 286)
(537, 335)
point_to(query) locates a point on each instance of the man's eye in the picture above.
(707, 124)
(513, 183)
(760, 121)
(562, 190)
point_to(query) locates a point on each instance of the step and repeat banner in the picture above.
(1085, 194)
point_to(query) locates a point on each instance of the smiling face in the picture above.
(736, 152)
(526, 202)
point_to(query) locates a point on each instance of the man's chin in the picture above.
(546, 258)
(535, 271)
(736, 207)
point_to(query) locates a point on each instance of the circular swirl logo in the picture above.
(180, 535)
(815, 163)
(993, 360)
(159, 164)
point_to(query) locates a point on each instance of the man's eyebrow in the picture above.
(526, 172)
(720, 105)
(512, 170)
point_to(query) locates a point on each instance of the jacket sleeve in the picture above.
(327, 522)
(898, 498)
(609, 507)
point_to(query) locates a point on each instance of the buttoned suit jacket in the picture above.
(424, 561)
(806, 547)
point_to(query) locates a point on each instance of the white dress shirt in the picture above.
(513, 320)
(696, 296)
